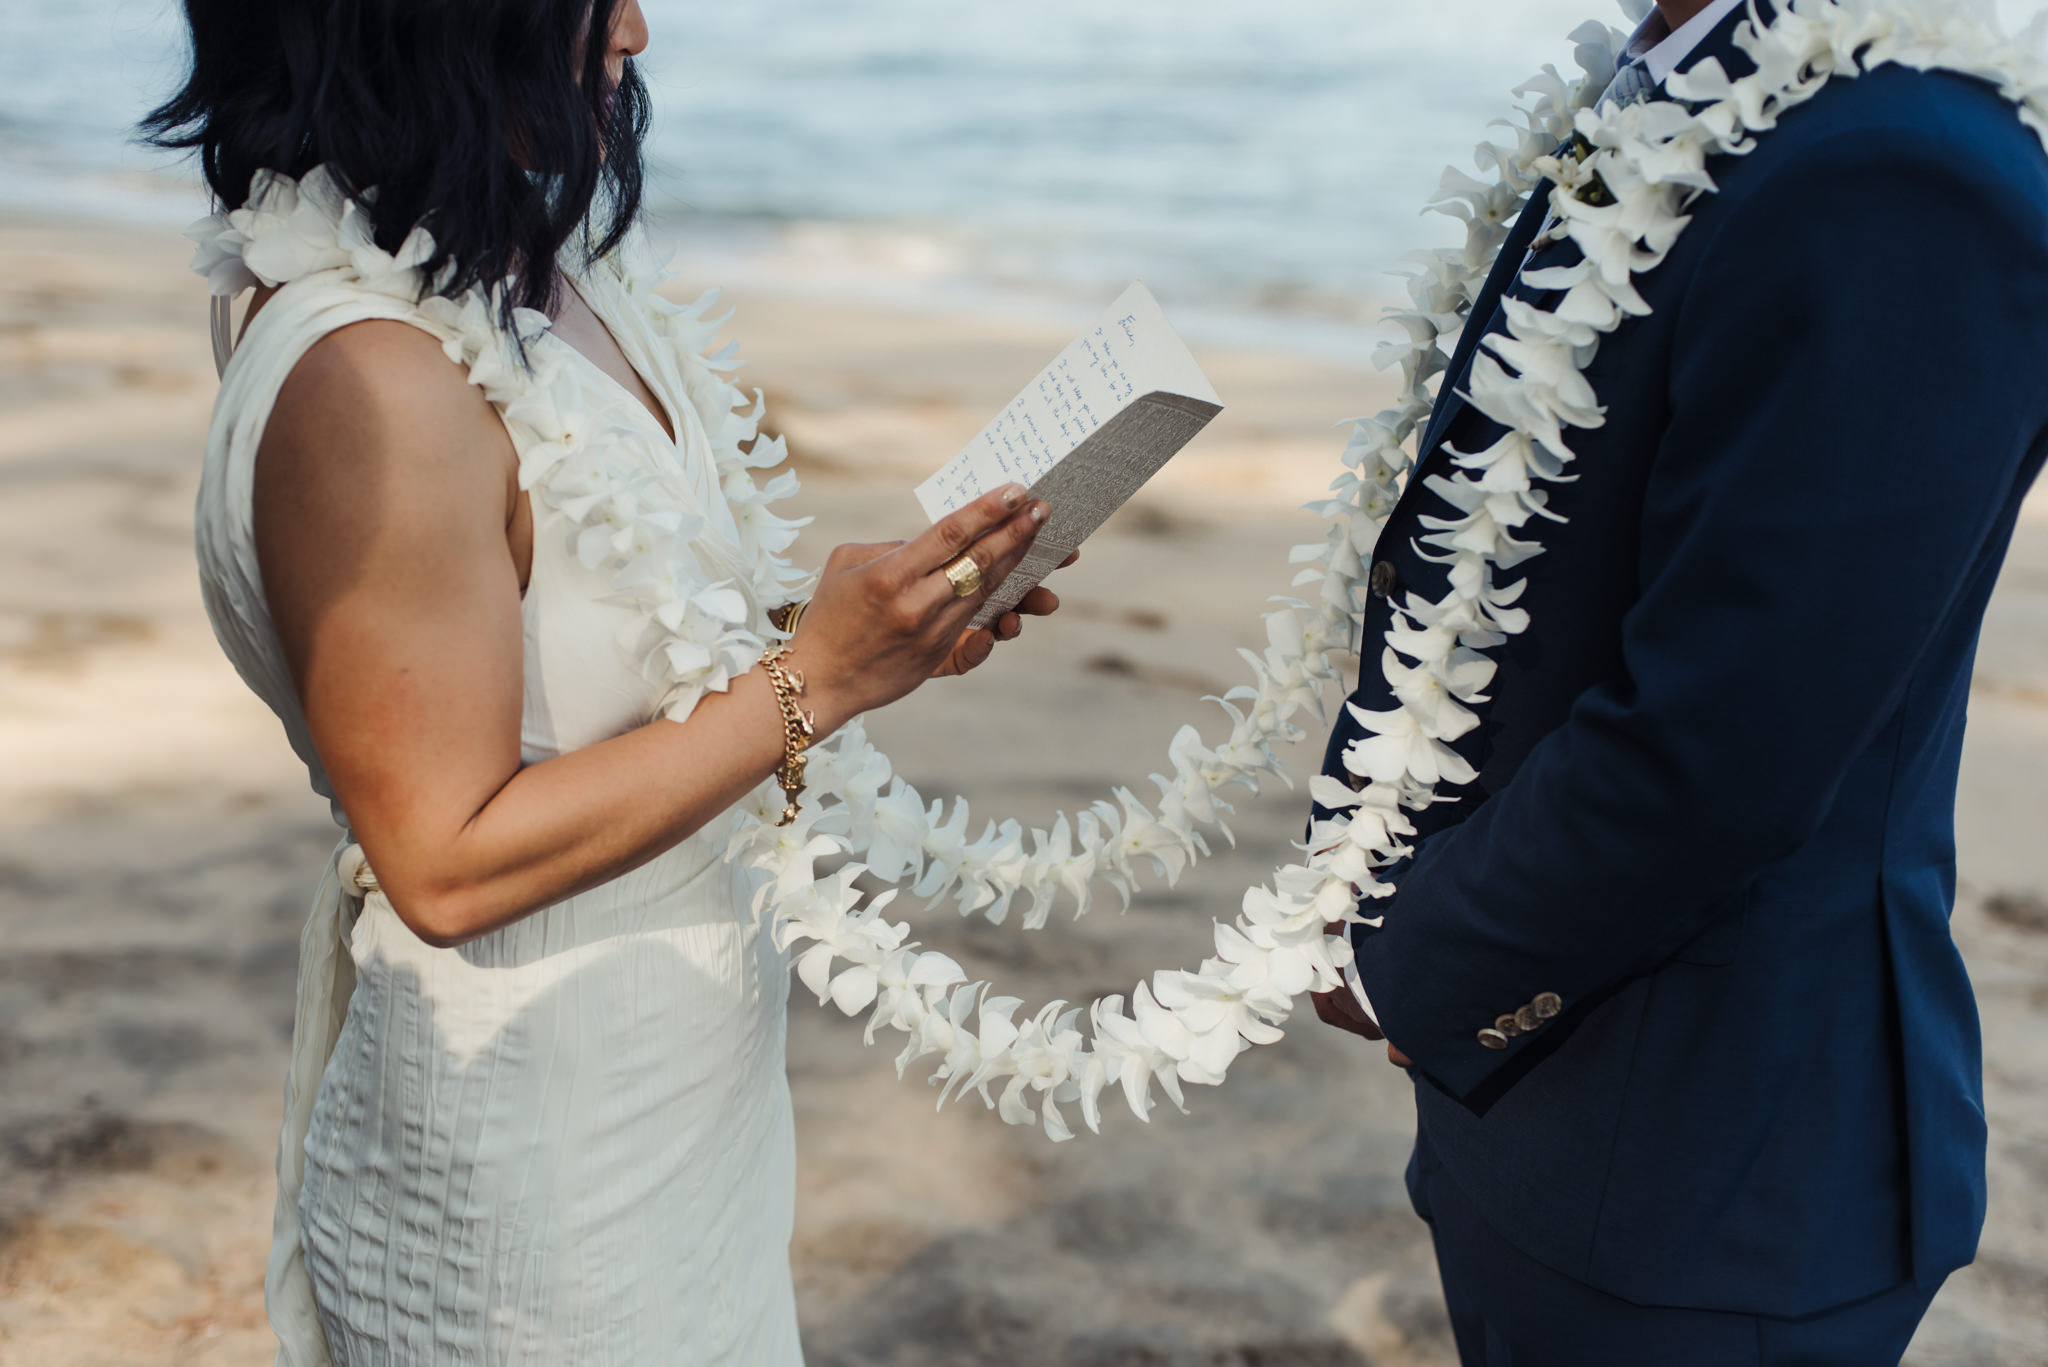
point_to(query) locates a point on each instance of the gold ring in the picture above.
(964, 575)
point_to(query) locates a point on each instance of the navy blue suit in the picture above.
(1715, 805)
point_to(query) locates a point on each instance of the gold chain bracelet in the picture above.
(798, 726)
(788, 615)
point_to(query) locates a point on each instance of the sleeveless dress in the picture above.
(569, 1141)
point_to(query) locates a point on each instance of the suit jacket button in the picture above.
(1382, 579)
(1493, 1039)
(1547, 1005)
(1508, 1026)
(1527, 1019)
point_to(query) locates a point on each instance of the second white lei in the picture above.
(705, 625)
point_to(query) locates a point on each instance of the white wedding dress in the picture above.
(570, 1141)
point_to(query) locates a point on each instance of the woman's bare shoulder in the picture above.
(378, 458)
(380, 397)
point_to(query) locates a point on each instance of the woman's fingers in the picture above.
(995, 555)
(885, 618)
(948, 538)
(1003, 549)
(1040, 602)
(973, 650)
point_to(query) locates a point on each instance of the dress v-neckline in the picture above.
(667, 421)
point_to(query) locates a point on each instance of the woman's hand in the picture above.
(392, 534)
(975, 646)
(884, 618)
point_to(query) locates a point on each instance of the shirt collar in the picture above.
(1667, 56)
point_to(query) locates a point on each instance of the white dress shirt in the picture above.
(1663, 58)
(1667, 56)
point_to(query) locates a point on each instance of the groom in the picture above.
(1697, 1063)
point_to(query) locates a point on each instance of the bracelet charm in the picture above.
(798, 728)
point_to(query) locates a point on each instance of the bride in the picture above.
(478, 522)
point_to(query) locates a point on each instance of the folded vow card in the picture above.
(1084, 436)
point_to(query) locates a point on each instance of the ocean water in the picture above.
(1261, 163)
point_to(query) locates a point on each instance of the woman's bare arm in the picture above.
(382, 502)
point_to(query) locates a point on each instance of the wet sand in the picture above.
(158, 846)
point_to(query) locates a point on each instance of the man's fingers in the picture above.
(1009, 627)
(1398, 1059)
(946, 539)
(1338, 1009)
(1331, 1011)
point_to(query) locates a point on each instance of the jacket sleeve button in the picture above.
(1508, 1026)
(1493, 1039)
(1382, 579)
(1548, 1005)
(1527, 1019)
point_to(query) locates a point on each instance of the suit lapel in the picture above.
(1720, 44)
(1506, 267)
(1507, 270)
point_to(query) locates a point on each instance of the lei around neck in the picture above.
(1187, 1027)
(698, 565)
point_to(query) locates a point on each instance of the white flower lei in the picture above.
(1189, 1026)
(704, 629)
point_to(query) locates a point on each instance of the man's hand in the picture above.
(1341, 1009)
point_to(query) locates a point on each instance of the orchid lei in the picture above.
(1181, 1027)
(1651, 161)
(701, 564)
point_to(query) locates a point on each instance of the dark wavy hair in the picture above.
(491, 123)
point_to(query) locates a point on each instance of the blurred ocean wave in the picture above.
(1252, 161)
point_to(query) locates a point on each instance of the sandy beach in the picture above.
(158, 846)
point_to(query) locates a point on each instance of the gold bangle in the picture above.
(785, 618)
(798, 727)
